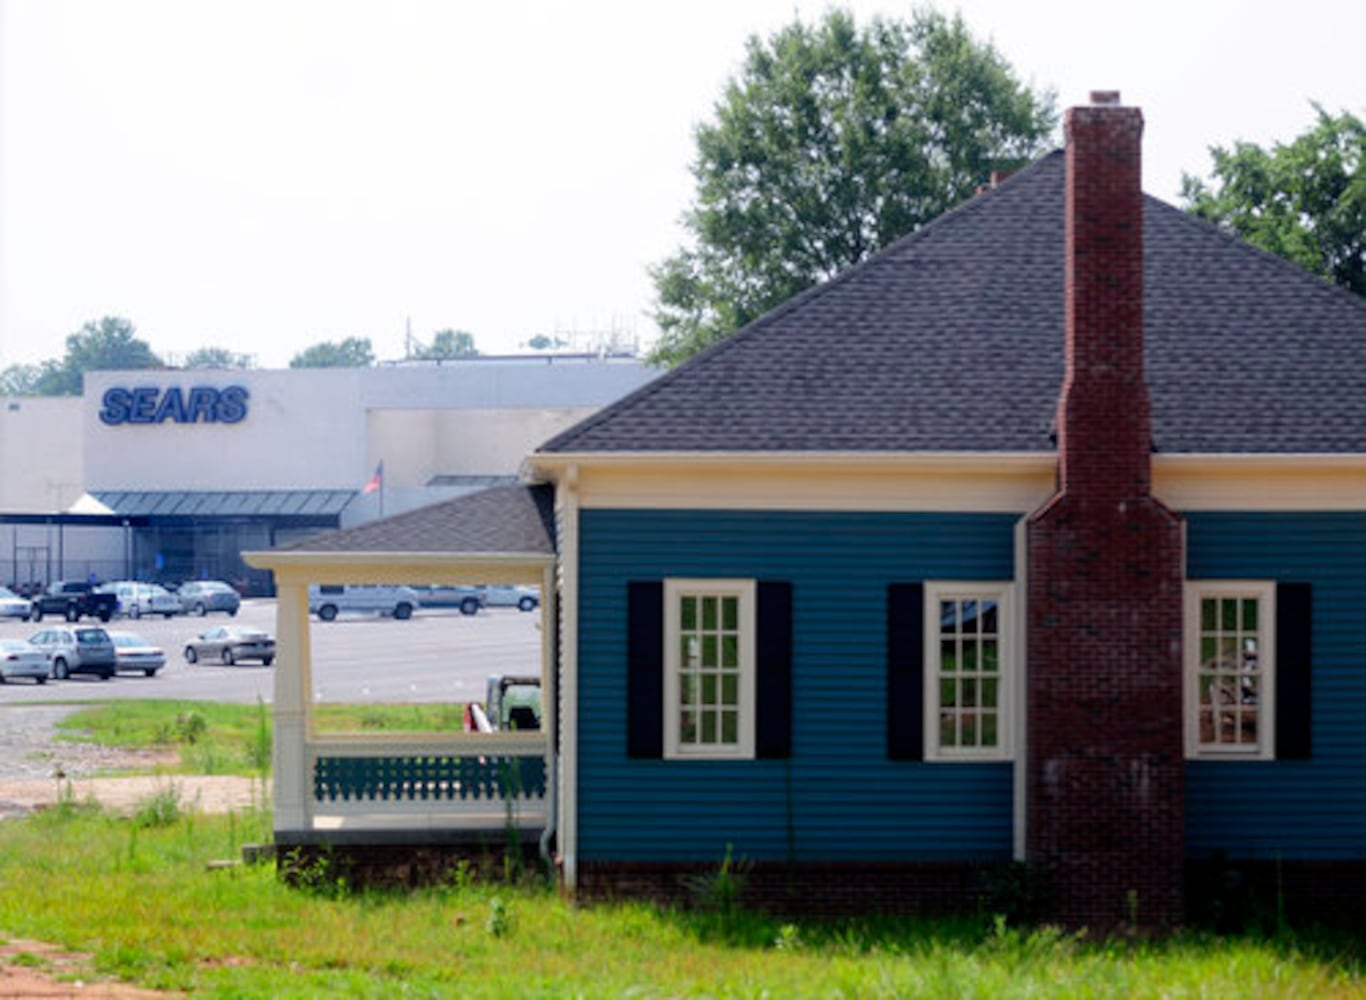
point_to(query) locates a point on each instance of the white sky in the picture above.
(263, 175)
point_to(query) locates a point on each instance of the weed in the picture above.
(161, 808)
(499, 923)
(190, 727)
(719, 891)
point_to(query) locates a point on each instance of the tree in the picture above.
(831, 143)
(108, 344)
(1305, 201)
(353, 352)
(447, 344)
(216, 357)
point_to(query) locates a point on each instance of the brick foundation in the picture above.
(925, 889)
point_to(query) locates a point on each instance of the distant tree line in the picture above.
(112, 344)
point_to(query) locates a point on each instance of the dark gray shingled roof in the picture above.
(504, 519)
(951, 339)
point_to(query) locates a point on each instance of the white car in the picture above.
(331, 599)
(137, 599)
(21, 658)
(14, 606)
(509, 596)
(134, 654)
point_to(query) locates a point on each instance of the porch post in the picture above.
(293, 681)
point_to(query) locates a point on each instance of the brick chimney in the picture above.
(1104, 763)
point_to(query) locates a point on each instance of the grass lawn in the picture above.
(141, 896)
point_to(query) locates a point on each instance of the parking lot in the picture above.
(437, 655)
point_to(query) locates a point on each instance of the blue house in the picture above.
(1039, 536)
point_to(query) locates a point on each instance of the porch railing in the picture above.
(457, 782)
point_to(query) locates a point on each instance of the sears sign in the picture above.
(202, 404)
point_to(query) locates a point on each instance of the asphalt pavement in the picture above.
(437, 655)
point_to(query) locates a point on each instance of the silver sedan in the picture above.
(231, 644)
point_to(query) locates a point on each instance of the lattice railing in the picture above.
(428, 778)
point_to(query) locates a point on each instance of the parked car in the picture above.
(76, 649)
(14, 606)
(231, 644)
(468, 599)
(199, 597)
(331, 599)
(134, 654)
(512, 703)
(21, 658)
(136, 599)
(73, 599)
(509, 596)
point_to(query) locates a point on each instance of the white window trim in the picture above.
(745, 590)
(1265, 592)
(1003, 592)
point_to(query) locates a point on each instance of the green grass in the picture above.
(140, 896)
(142, 899)
(210, 738)
(216, 738)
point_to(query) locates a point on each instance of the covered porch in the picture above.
(427, 789)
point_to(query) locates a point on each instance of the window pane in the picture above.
(1228, 615)
(730, 727)
(948, 734)
(969, 730)
(948, 693)
(730, 651)
(709, 651)
(990, 733)
(969, 656)
(709, 689)
(689, 615)
(730, 689)
(971, 621)
(948, 659)
(969, 692)
(948, 616)
(709, 613)
(989, 617)
(1207, 614)
(990, 656)
(1249, 614)
(687, 689)
(730, 613)
(989, 693)
(687, 728)
(708, 727)
(688, 653)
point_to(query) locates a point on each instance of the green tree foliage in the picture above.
(445, 345)
(832, 142)
(353, 352)
(1305, 201)
(216, 357)
(108, 344)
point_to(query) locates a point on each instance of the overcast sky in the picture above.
(263, 175)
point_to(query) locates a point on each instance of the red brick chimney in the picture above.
(1104, 764)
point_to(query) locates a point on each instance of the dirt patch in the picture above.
(123, 796)
(38, 969)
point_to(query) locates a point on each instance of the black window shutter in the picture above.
(773, 680)
(906, 671)
(645, 669)
(1294, 661)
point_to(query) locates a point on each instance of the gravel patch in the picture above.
(36, 769)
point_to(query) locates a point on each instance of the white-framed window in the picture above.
(1230, 669)
(709, 669)
(969, 671)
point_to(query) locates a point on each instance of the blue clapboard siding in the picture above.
(1302, 809)
(838, 797)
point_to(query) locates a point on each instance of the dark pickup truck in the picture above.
(74, 599)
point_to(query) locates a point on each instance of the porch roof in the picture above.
(503, 520)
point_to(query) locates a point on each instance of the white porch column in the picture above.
(293, 682)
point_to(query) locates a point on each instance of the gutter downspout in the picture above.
(550, 614)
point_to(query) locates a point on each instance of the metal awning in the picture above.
(226, 503)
